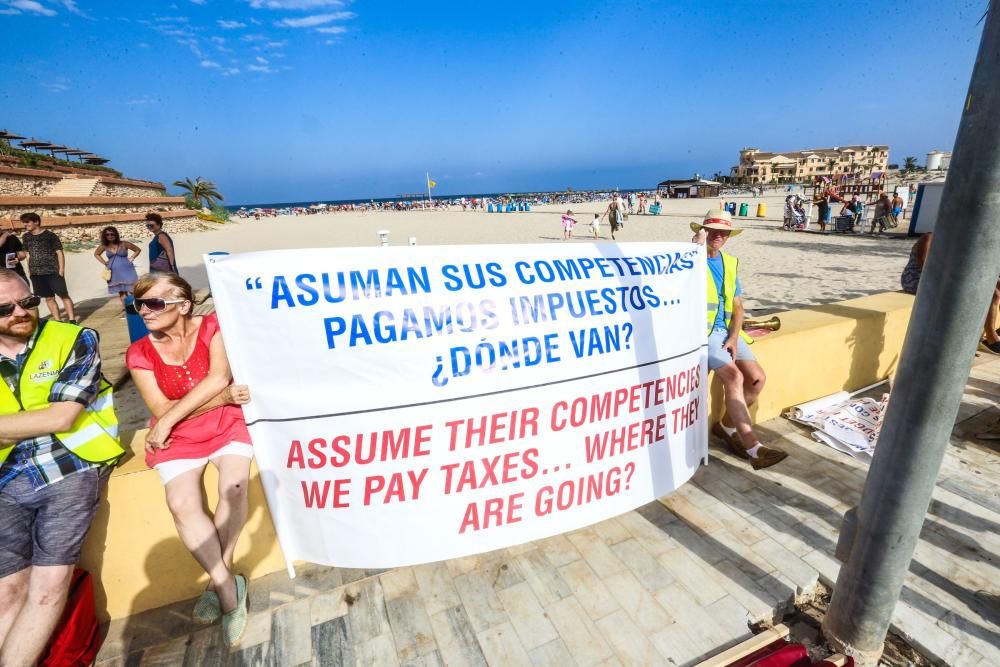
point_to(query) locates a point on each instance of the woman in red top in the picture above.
(183, 375)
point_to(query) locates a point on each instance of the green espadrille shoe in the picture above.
(207, 609)
(235, 621)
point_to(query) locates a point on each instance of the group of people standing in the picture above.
(59, 434)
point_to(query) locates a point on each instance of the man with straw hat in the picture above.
(729, 352)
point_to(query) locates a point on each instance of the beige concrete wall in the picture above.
(107, 189)
(139, 563)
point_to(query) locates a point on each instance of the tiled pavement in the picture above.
(666, 584)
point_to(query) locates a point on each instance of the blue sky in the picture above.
(289, 100)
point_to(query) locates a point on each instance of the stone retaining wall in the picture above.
(135, 232)
(108, 189)
(18, 185)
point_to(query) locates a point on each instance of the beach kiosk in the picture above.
(689, 188)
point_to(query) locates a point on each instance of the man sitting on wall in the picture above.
(58, 437)
(729, 352)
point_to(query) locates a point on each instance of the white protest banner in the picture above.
(414, 404)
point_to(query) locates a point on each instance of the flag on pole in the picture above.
(431, 183)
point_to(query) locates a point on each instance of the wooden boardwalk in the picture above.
(667, 584)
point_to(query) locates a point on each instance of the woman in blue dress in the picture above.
(118, 257)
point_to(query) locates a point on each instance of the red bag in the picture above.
(76, 640)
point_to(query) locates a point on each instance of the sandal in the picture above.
(235, 621)
(207, 609)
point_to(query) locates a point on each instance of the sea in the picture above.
(414, 197)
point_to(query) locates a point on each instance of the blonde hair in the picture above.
(151, 280)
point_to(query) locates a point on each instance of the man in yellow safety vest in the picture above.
(58, 439)
(729, 352)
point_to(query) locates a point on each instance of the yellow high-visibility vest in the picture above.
(729, 267)
(94, 435)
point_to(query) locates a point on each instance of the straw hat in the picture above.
(716, 219)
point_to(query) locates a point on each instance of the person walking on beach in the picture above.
(58, 444)
(567, 224)
(120, 266)
(162, 256)
(729, 354)
(897, 206)
(595, 226)
(182, 374)
(642, 203)
(614, 215)
(47, 265)
(12, 252)
(883, 208)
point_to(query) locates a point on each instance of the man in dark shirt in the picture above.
(47, 265)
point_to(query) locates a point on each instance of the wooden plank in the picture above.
(755, 643)
(331, 643)
(291, 641)
(436, 587)
(456, 640)
(527, 616)
(480, 600)
(580, 635)
(411, 628)
(501, 646)
(630, 644)
(588, 589)
(206, 649)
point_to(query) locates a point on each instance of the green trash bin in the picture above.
(744, 209)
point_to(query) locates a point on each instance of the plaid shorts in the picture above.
(47, 526)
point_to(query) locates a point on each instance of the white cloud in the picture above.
(10, 11)
(143, 45)
(263, 61)
(172, 19)
(71, 7)
(332, 30)
(230, 71)
(276, 45)
(140, 101)
(295, 4)
(254, 38)
(56, 85)
(231, 25)
(210, 64)
(261, 68)
(313, 21)
(32, 6)
(199, 2)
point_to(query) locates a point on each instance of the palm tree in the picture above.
(909, 164)
(201, 191)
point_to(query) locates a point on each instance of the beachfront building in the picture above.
(688, 188)
(757, 166)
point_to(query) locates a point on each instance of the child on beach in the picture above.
(595, 225)
(567, 224)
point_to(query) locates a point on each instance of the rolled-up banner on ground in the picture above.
(413, 404)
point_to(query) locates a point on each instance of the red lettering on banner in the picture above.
(393, 488)
(364, 448)
(493, 511)
(685, 416)
(479, 473)
(316, 494)
(627, 438)
(577, 492)
(492, 429)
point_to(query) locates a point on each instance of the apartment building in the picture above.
(757, 166)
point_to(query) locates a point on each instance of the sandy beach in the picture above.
(779, 270)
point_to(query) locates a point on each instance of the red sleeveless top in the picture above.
(201, 436)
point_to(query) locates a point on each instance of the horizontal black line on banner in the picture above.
(463, 398)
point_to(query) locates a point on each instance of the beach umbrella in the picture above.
(34, 144)
(77, 153)
(96, 159)
(9, 136)
(55, 148)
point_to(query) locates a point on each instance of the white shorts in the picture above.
(170, 469)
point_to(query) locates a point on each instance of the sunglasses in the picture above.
(155, 305)
(27, 303)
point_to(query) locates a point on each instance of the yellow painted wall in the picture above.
(139, 562)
